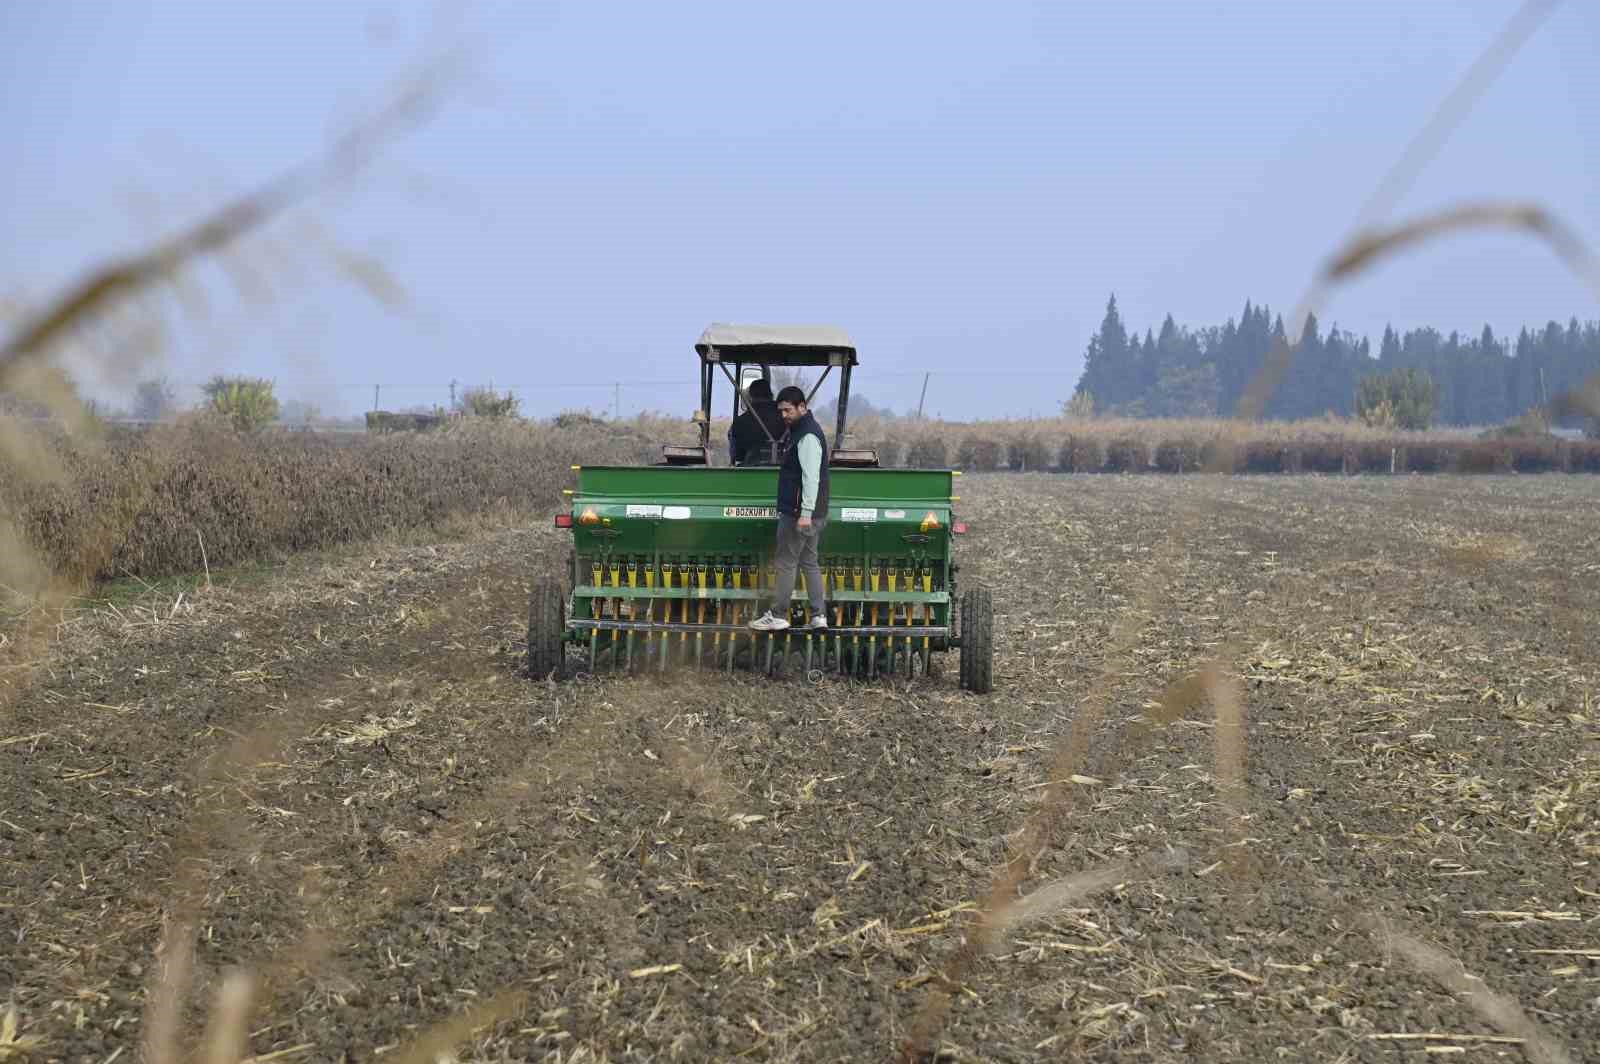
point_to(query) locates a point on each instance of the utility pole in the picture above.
(376, 388)
(924, 398)
(452, 393)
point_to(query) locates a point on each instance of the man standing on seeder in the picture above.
(802, 513)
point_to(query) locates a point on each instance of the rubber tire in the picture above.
(547, 622)
(977, 641)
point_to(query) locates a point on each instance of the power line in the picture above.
(612, 386)
(985, 371)
(687, 381)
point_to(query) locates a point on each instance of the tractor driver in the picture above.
(802, 514)
(759, 428)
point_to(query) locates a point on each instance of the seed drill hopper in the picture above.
(670, 562)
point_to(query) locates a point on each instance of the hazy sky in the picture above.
(959, 186)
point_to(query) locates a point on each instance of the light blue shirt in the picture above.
(809, 451)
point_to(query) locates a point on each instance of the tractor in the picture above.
(671, 561)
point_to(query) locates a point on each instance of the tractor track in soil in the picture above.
(348, 783)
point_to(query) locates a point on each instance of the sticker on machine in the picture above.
(859, 513)
(893, 515)
(749, 511)
(675, 513)
(644, 509)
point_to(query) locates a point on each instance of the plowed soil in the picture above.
(337, 778)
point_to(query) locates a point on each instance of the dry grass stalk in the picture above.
(993, 916)
(1454, 108)
(227, 1037)
(1367, 248)
(548, 772)
(106, 289)
(113, 299)
(1443, 1036)
(1499, 1010)
(437, 1042)
(1229, 739)
(170, 983)
(237, 998)
(1358, 251)
(1048, 900)
(1000, 909)
(222, 826)
(12, 1044)
(1018, 912)
(172, 978)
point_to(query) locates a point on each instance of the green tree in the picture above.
(1389, 351)
(1402, 398)
(1477, 379)
(1080, 407)
(1185, 392)
(1108, 372)
(484, 402)
(246, 403)
(1296, 395)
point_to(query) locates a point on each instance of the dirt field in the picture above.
(336, 776)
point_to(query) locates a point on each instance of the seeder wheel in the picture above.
(547, 622)
(977, 641)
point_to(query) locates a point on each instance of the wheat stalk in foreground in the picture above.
(1359, 251)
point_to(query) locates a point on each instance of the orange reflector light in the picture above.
(563, 520)
(958, 528)
(589, 517)
(930, 522)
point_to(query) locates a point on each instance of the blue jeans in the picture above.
(797, 552)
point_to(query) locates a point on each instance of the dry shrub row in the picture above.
(1119, 446)
(148, 502)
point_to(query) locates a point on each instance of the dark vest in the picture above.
(749, 435)
(790, 483)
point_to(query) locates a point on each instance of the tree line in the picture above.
(1203, 372)
(251, 403)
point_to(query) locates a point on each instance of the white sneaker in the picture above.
(767, 622)
(818, 623)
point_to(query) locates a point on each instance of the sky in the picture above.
(959, 186)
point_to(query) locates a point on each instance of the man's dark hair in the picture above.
(792, 395)
(759, 390)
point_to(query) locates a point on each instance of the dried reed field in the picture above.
(1156, 445)
(172, 500)
(175, 499)
(391, 828)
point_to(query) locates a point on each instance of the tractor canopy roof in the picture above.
(777, 345)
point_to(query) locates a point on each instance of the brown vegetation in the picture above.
(166, 500)
(174, 499)
(1121, 445)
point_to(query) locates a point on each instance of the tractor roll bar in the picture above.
(844, 400)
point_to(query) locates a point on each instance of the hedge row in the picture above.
(1136, 454)
(148, 502)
